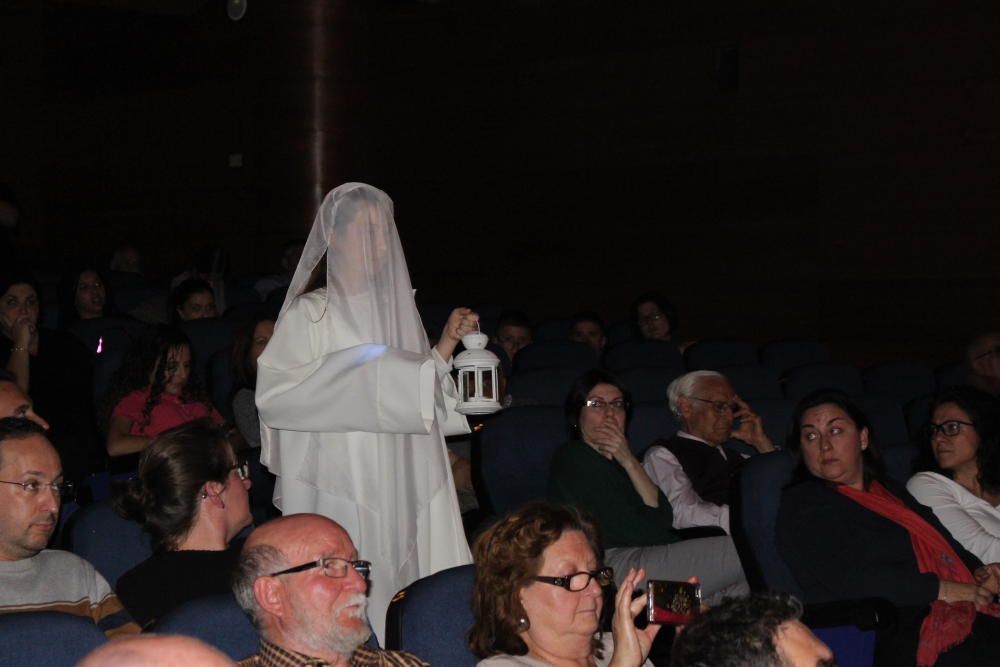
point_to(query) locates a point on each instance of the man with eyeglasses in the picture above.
(983, 356)
(33, 578)
(692, 468)
(300, 580)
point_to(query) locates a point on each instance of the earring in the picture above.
(522, 624)
(204, 495)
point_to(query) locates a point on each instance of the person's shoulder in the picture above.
(64, 560)
(805, 496)
(506, 660)
(927, 479)
(372, 657)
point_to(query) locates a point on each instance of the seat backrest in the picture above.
(776, 413)
(949, 376)
(714, 354)
(517, 447)
(542, 386)
(754, 514)
(432, 616)
(47, 638)
(216, 620)
(111, 544)
(784, 355)
(650, 422)
(556, 354)
(648, 384)
(753, 381)
(222, 382)
(208, 336)
(887, 419)
(620, 331)
(643, 354)
(804, 380)
(902, 380)
(553, 329)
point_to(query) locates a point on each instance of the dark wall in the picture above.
(776, 168)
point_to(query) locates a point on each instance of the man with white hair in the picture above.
(692, 468)
(300, 581)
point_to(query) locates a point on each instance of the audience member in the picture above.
(598, 473)
(15, 403)
(589, 328)
(33, 578)
(248, 345)
(154, 391)
(82, 296)
(963, 488)
(290, 254)
(847, 531)
(983, 356)
(513, 332)
(125, 269)
(55, 369)
(537, 597)
(300, 581)
(193, 299)
(762, 630)
(209, 264)
(149, 650)
(692, 468)
(656, 317)
(191, 496)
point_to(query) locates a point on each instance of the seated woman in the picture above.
(248, 345)
(537, 596)
(599, 474)
(846, 531)
(193, 299)
(83, 296)
(155, 391)
(964, 488)
(656, 317)
(191, 496)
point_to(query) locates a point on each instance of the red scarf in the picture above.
(948, 623)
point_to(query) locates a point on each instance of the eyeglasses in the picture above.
(651, 317)
(62, 489)
(335, 568)
(242, 469)
(949, 428)
(579, 580)
(993, 350)
(720, 406)
(598, 404)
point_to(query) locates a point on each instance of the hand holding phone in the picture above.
(672, 602)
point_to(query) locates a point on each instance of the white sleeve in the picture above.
(975, 528)
(449, 421)
(688, 507)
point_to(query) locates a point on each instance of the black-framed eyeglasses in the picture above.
(949, 428)
(335, 568)
(579, 580)
(617, 405)
(242, 469)
(64, 490)
(720, 406)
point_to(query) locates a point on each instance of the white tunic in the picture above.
(973, 522)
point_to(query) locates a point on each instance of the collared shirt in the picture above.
(272, 655)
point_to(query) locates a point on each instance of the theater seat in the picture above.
(556, 354)
(544, 386)
(753, 381)
(47, 638)
(644, 354)
(648, 385)
(650, 422)
(111, 544)
(784, 355)
(804, 380)
(431, 618)
(216, 620)
(902, 380)
(714, 354)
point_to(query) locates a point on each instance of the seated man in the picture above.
(692, 468)
(983, 356)
(513, 332)
(15, 403)
(588, 328)
(33, 578)
(762, 630)
(300, 581)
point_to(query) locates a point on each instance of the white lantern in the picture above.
(478, 381)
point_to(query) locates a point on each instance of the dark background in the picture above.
(778, 168)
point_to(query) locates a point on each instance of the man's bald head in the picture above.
(155, 651)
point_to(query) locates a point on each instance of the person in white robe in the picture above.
(354, 405)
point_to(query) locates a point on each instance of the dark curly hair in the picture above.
(147, 357)
(736, 633)
(984, 413)
(164, 496)
(507, 555)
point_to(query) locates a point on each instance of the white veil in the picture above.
(366, 274)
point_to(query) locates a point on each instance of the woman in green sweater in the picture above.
(598, 473)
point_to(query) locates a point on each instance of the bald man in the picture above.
(15, 403)
(300, 580)
(155, 651)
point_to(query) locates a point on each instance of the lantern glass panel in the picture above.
(488, 384)
(468, 382)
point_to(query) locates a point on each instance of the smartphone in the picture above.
(672, 602)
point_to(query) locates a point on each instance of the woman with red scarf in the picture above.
(846, 531)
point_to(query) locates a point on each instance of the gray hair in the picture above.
(254, 563)
(685, 385)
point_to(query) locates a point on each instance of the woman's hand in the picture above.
(751, 430)
(988, 576)
(611, 443)
(25, 334)
(953, 591)
(631, 643)
(462, 321)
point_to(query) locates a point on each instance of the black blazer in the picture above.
(839, 550)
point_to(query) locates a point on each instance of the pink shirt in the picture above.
(167, 413)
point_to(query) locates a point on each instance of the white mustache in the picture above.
(359, 603)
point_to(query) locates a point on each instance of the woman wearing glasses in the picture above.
(537, 597)
(598, 473)
(191, 496)
(963, 488)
